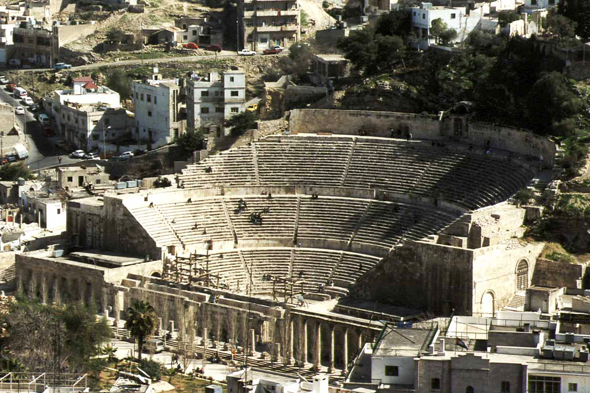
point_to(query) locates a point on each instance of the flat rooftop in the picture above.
(397, 342)
(105, 258)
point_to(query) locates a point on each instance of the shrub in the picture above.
(152, 368)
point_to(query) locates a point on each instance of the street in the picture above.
(42, 150)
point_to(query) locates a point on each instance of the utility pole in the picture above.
(237, 33)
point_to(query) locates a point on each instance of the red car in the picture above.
(191, 45)
(214, 48)
(11, 87)
(271, 51)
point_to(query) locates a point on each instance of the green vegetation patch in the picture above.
(575, 205)
(560, 257)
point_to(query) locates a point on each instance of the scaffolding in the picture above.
(39, 382)
(285, 287)
(193, 269)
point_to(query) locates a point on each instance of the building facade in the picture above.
(158, 110)
(268, 23)
(214, 99)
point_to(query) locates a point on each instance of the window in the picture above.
(231, 78)
(453, 16)
(136, 95)
(391, 371)
(505, 387)
(572, 387)
(435, 383)
(204, 110)
(469, 389)
(539, 384)
(70, 179)
(219, 109)
(235, 109)
(194, 32)
(148, 97)
(141, 96)
(107, 122)
(94, 122)
(185, 37)
(149, 113)
(204, 93)
(414, 13)
(155, 100)
(59, 212)
(97, 181)
(263, 40)
(235, 93)
(423, 16)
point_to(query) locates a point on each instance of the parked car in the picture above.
(20, 92)
(62, 144)
(11, 87)
(47, 130)
(34, 107)
(4, 80)
(28, 101)
(77, 154)
(62, 66)
(91, 156)
(277, 47)
(11, 158)
(139, 152)
(19, 110)
(246, 52)
(214, 48)
(153, 345)
(191, 45)
(271, 51)
(43, 118)
(252, 108)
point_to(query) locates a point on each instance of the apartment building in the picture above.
(213, 99)
(266, 23)
(159, 110)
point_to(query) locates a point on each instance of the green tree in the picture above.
(360, 48)
(118, 81)
(394, 23)
(242, 122)
(561, 26)
(191, 141)
(11, 172)
(550, 102)
(115, 35)
(152, 368)
(304, 20)
(507, 17)
(141, 322)
(579, 12)
(441, 32)
(84, 334)
(298, 61)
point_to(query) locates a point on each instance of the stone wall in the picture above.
(71, 33)
(423, 276)
(557, 274)
(421, 126)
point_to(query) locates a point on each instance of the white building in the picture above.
(158, 110)
(214, 99)
(538, 4)
(44, 208)
(455, 18)
(87, 125)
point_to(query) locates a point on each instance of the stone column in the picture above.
(105, 302)
(289, 340)
(345, 350)
(56, 291)
(332, 339)
(117, 308)
(252, 341)
(205, 334)
(44, 295)
(303, 344)
(317, 355)
(32, 284)
(360, 341)
(20, 287)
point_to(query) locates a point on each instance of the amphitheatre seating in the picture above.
(470, 179)
(316, 265)
(151, 221)
(278, 217)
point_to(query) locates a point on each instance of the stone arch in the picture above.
(522, 275)
(469, 389)
(488, 305)
(156, 274)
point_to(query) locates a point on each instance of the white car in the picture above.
(91, 156)
(126, 154)
(277, 47)
(28, 101)
(246, 52)
(19, 110)
(77, 154)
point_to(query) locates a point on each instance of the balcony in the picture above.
(268, 29)
(277, 13)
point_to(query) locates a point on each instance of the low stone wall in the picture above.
(422, 126)
(557, 274)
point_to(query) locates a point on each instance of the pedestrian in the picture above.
(59, 159)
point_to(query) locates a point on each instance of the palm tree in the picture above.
(141, 322)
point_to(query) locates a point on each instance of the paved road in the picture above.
(183, 59)
(42, 150)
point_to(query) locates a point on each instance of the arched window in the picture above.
(522, 275)
(469, 390)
